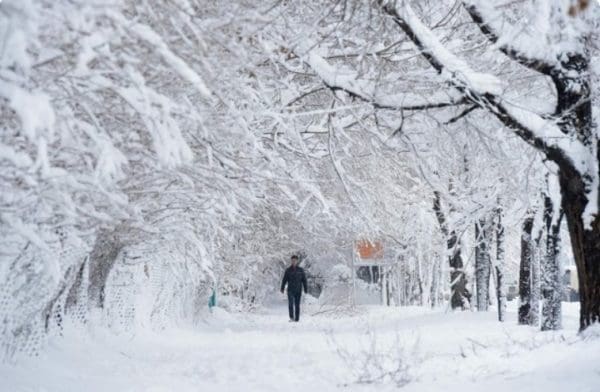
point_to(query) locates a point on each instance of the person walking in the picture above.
(295, 279)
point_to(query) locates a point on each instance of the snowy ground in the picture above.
(434, 350)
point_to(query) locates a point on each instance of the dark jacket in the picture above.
(295, 279)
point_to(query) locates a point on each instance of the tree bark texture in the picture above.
(460, 296)
(551, 279)
(525, 271)
(536, 279)
(482, 264)
(499, 267)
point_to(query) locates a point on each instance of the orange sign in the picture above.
(369, 249)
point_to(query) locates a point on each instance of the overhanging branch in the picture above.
(367, 91)
(528, 61)
(539, 132)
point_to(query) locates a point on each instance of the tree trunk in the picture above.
(102, 258)
(458, 281)
(574, 109)
(460, 296)
(482, 265)
(500, 289)
(435, 280)
(535, 293)
(74, 293)
(585, 244)
(551, 282)
(525, 271)
(419, 277)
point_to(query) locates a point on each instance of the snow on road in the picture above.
(434, 350)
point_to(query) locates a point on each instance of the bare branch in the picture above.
(462, 114)
(304, 95)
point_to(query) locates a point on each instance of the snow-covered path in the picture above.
(464, 351)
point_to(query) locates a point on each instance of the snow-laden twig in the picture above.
(368, 91)
(375, 363)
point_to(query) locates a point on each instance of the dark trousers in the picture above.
(294, 305)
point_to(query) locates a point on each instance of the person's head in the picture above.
(294, 260)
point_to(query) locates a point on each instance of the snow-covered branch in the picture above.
(542, 64)
(484, 90)
(175, 62)
(368, 91)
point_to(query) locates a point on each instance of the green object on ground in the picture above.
(212, 300)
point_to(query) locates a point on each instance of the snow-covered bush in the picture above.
(340, 273)
(379, 360)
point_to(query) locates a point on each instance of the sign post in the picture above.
(368, 253)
